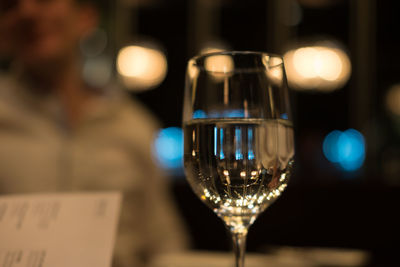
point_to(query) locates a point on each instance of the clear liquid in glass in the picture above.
(238, 167)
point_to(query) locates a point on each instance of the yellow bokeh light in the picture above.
(141, 67)
(329, 65)
(304, 61)
(323, 68)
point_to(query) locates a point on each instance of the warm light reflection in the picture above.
(192, 69)
(219, 66)
(274, 71)
(323, 68)
(275, 75)
(141, 67)
(393, 99)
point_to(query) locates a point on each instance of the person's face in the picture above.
(42, 30)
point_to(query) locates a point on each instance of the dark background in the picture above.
(324, 206)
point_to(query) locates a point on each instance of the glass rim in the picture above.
(195, 59)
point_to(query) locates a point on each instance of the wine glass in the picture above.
(238, 136)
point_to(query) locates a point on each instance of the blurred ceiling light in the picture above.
(392, 99)
(141, 67)
(319, 67)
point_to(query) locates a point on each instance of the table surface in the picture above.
(281, 257)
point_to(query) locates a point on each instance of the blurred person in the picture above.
(59, 134)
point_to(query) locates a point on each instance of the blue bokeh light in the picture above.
(168, 148)
(347, 149)
(330, 147)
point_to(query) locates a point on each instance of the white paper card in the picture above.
(63, 230)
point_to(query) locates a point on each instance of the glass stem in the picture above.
(239, 247)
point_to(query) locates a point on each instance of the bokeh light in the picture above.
(347, 149)
(318, 67)
(141, 67)
(168, 148)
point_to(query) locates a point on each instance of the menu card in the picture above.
(63, 230)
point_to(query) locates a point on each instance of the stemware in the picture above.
(238, 136)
